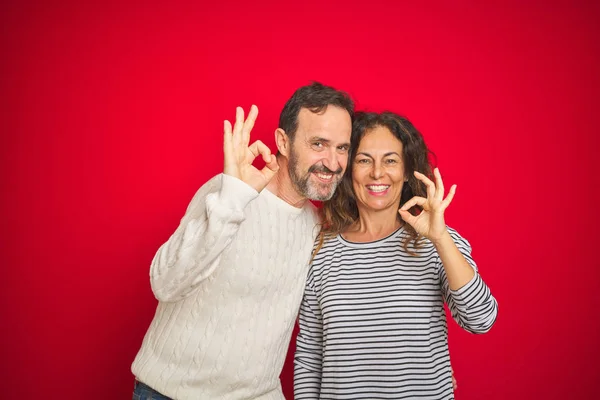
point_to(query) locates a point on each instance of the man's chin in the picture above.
(323, 191)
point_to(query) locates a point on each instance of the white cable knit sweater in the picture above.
(229, 283)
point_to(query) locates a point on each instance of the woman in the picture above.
(372, 321)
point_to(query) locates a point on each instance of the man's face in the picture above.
(319, 152)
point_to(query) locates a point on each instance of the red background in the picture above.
(112, 118)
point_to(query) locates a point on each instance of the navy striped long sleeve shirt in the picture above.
(373, 324)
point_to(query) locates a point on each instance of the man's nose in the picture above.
(331, 161)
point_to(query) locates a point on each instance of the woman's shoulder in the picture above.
(424, 244)
(458, 238)
(326, 246)
(427, 245)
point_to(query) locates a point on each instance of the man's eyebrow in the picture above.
(318, 139)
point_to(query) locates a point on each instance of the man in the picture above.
(230, 279)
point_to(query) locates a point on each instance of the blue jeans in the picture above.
(142, 391)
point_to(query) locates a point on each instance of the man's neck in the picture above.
(281, 185)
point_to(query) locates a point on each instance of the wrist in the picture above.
(442, 239)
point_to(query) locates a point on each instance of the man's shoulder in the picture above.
(211, 185)
(232, 184)
(216, 180)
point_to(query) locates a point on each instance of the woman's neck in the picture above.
(373, 225)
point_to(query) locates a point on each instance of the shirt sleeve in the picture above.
(309, 348)
(472, 306)
(209, 225)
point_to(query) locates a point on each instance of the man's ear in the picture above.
(283, 142)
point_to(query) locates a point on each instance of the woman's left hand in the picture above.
(430, 222)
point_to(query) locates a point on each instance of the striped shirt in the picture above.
(373, 324)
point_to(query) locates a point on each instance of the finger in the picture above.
(259, 147)
(407, 217)
(450, 196)
(417, 200)
(249, 124)
(270, 168)
(428, 183)
(228, 157)
(439, 185)
(226, 135)
(272, 164)
(454, 385)
(239, 123)
(227, 127)
(227, 130)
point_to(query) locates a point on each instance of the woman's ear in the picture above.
(283, 142)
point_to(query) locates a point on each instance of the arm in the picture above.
(472, 305)
(192, 253)
(309, 349)
(214, 215)
(470, 301)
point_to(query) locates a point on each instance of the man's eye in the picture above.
(318, 144)
(343, 148)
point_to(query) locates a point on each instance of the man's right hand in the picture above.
(239, 156)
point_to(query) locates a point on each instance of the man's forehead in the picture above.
(331, 118)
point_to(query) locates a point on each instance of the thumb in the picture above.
(271, 167)
(407, 217)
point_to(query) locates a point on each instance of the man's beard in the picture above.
(319, 191)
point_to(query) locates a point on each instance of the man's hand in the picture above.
(239, 156)
(454, 385)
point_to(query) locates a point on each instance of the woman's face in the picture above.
(378, 171)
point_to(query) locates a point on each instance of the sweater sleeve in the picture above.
(472, 306)
(192, 253)
(309, 349)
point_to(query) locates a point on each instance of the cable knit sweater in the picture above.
(229, 283)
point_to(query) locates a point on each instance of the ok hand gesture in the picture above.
(239, 156)
(430, 222)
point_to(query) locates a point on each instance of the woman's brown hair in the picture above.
(338, 213)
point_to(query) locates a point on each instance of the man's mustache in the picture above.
(324, 169)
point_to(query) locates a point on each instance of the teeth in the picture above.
(324, 176)
(377, 188)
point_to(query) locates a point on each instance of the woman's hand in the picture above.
(430, 222)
